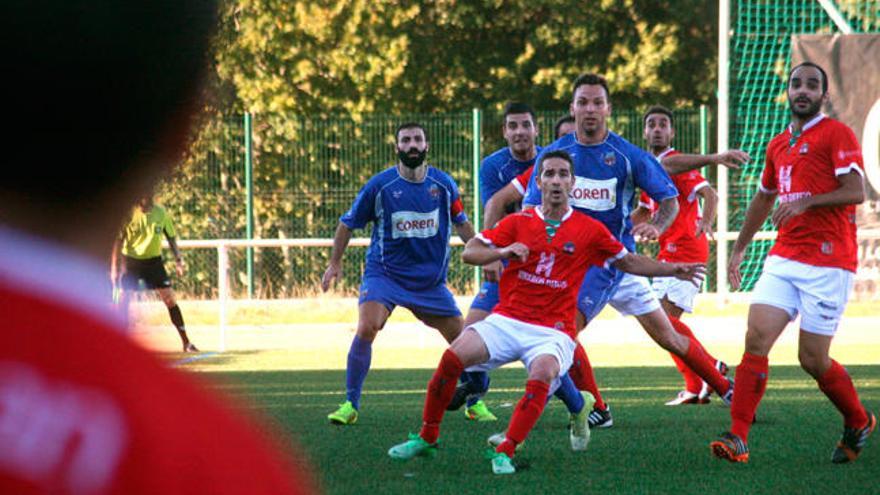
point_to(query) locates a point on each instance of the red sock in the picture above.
(838, 386)
(751, 382)
(699, 361)
(692, 381)
(441, 388)
(526, 414)
(581, 373)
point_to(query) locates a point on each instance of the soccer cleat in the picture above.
(416, 446)
(601, 418)
(579, 434)
(685, 397)
(727, 398)
(730, 448)
(345, 415)
(479, 412)
(853, 441)
(501, 464)
(190, 347)
(499, 438)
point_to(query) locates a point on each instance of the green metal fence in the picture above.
(303, 173)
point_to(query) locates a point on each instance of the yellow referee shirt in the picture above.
(142, 237)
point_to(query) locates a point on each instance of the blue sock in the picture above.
(478, 383)
(569, 394)
(359, 356)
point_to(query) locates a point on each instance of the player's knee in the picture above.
(758, 341)
(367, 330)
(813, 363)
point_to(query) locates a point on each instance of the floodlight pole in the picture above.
(723, 130)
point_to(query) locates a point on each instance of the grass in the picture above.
(651, 448)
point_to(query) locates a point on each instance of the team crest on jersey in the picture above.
(568, 248)
(804, 149)
(610, 158)
(827, 248)
(158, 229)
(434, 191)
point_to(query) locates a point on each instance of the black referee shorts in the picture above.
(151, 271)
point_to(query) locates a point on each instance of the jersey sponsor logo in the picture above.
(784, 179)
(596, 195)
(789, 197)
(396, 194)
(537, 279)
(415, 224)
(545, 264)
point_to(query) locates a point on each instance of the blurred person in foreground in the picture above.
(108, 92)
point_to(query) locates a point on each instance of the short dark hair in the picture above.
(591, 80)
(553, 154)
(517, 107)
(565, 119)
(810, 64)
(658, 109)
(409, 125)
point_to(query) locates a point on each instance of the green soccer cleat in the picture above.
(501, 464)
(345, 415)
(579, 434)
(498, 438)
(479, 412)
(416, 446)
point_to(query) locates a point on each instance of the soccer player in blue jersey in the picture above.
(413, 208)
(608, 169)
(496, 171)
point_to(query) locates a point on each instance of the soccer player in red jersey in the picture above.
(550, 248)
(815, 169)
(685, 240)
(108, 92)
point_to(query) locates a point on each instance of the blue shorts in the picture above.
(437, 301)
(487, 298)
(597, 289)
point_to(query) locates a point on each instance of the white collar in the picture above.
(665, 152)
(812, 123)
(564, 217)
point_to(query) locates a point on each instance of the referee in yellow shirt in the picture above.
(141, 246)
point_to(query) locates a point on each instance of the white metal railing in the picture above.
(223, 245)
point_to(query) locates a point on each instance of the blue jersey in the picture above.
(412, 223)
(498, 169)
(606, 176)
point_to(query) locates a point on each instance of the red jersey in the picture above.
(543, 289)
(84, 410)
(806, 165)
(521, 181)
(678, 243)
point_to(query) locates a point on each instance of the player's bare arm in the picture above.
(334, 268)
(683, 162)
(850, 192)
(476, 252)
(114, 261)
(640, 215)
(497, 204)
(178, 257)
(642, 265)
(465, 231)
(759, 210)
(651, 230)
(710, 208)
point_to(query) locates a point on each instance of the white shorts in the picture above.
(679, 292)
(634, 296)
(511, 340)
(818, 293)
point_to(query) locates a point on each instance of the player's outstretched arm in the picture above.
(477, 252)
(642, 265)
(685, 162)
(178, 257)
(465, 231)
(759, 210)
(498, 202)
(334, 268)
(710, 207)
(667, 210)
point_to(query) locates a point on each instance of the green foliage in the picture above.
(357, 56)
